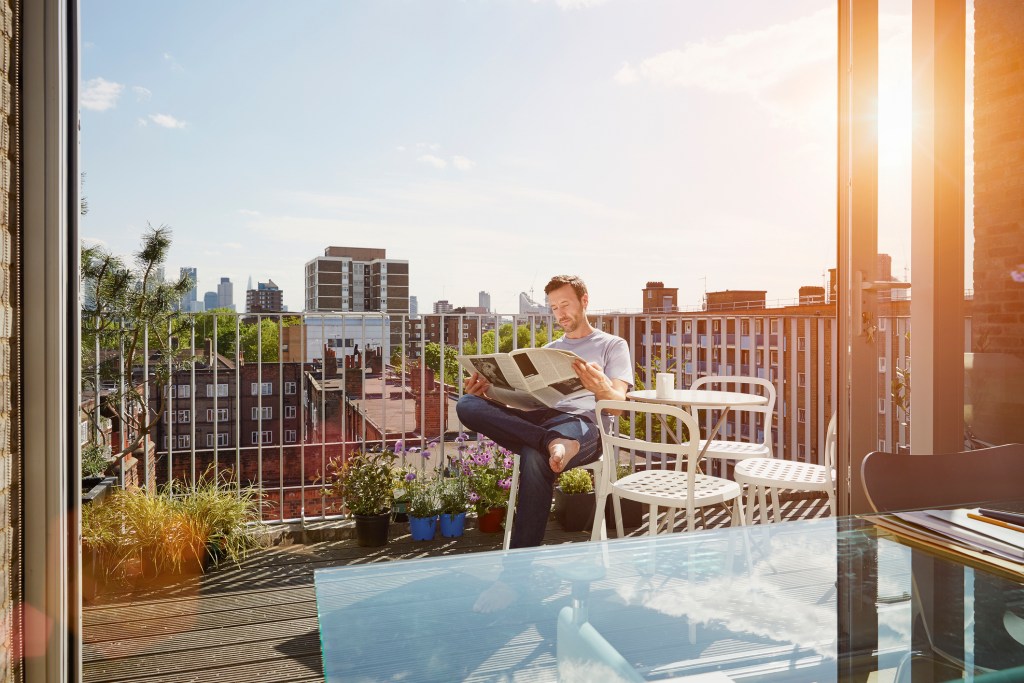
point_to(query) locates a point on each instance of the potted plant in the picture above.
(574, 500)
(453, 494)
(424, 507)
(488, 468)
(365, 483)
(632, 510)
(95, 461)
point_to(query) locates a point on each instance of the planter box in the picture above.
(98, 489)
(575, 511)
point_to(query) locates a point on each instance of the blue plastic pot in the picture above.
(422, 528)
(453, 526)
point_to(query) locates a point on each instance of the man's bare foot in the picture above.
(561, 452)
(495, 597)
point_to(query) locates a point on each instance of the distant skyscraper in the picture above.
(189, 302)
(266, 298)
(226, 294)
(210, 301)
(443, 306)
(414, 307)
(484, 301)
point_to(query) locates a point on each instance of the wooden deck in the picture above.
(259, 623)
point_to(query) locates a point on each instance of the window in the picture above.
(183, 440)
(289, 412)
(775, 357)
(222, 414)
(267, 437)
(222, 390)
(801, 416)
(268, 413)
(222, 439)
(177, 416)
(801, 343)
(184, 416)
(882, 446)
(802, 450)
(775, 326)
(267, 388)
(181, 391)
(289, 387)
(716, 325)
(801, 379)
(289, 436)
(881, 406)
(882, 364)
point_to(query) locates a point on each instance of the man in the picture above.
(552, 440)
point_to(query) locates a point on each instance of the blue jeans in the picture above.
(528, 433)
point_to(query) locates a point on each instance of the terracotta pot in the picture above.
(491, 521)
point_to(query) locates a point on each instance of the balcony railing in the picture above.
(271, 410)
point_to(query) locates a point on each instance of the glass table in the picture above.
(817, 600)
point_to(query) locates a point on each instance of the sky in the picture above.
(491, 143)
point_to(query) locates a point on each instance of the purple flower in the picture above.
(411, 476)
(473, 497)
(461, 437)
(399, 446)
(505, 483)
(508, 463)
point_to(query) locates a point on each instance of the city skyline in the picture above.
(492, 145)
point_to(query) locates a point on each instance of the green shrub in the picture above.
(365, 482)
(576, 481)
(95, 459)
(423, 499)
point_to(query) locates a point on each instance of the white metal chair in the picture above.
(597, 467)
(678, 487)
(755, 447)
(761, 475)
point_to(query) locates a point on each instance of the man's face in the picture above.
(568, 309)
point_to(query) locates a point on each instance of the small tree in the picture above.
(128, 311)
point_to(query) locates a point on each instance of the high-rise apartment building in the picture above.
(357, 280)
(484, 301)
(226, 294)
(210, 301)
(266, 298)
(443, 306)
(414, 307)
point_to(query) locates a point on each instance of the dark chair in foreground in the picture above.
(905, 482)
(894, 482)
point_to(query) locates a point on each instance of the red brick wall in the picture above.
(998, 325)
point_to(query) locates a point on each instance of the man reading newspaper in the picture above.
(551, 440)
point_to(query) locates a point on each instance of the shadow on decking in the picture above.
(258, 622)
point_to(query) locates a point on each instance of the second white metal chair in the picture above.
(761, 475)
(758, 418)
(678, 485)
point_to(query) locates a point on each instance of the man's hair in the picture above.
(573, 281)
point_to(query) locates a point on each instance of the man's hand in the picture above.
(593, 378)
(476, 385)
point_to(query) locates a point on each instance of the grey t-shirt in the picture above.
(611, 353)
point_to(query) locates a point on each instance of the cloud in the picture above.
(432, 146)
(142, 122)
(249, 212)
(142, 94)
(232, 245)
(167, 121)
(462, 163)
(781, 67)
(170, 61)
(435, 161)
(100, 94)
(742, 62)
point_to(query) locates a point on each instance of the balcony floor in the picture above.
(259, 623)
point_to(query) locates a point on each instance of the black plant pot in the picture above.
(95, 489)
(575, 511)
(372, 530)
(632, 513)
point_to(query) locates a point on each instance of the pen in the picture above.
(989, 520)
(1003, 515)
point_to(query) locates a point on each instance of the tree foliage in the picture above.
(128, 311)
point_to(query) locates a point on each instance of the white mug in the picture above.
(666, 384)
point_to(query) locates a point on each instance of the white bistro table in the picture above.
(702, 399)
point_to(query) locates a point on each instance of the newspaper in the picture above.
(527, 378)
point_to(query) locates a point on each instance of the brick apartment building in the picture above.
(266, 298)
